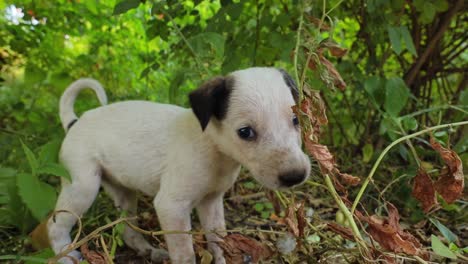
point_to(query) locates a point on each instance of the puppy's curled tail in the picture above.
(67, 101)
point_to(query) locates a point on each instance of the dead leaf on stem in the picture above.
(423, 190)
(341, 230)
(237, 248)
(92, 256)
(388, 233)
(318, 23)
(450, 183)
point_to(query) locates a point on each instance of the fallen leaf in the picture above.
(388, 233)
(271, 196)
(291, 220)
(237, 248)
(341, 230)
(39, 236)
(93, 257)
(301, 219)
(423, 190)
(450, 184)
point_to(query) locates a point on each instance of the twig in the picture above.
(296, 50)
(195, 56)
(92, 235)
(396, 142)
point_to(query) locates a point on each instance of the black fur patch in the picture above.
(291, 84)
(211, 99)
(71, 124)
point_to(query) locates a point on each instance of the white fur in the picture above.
(161, 150)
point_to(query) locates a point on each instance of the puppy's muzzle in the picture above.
(292, 178)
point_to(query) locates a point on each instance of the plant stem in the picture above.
(345, 211)
(296, 51)
(394, 143)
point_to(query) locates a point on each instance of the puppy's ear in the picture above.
(211, 99)
(291, 84)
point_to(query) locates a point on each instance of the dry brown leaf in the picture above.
(348, 179)
(301, 220)
(317, 108)
(291, 220)
(335, 49)
(93, 257)
(318, 23)
(423, 190)
(450, 184)
(341, 230)
(334, 74)
(271, 196)
(321, 154)
(39, 236)
(237, 248)
(388, 233)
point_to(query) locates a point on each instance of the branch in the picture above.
(411, 75)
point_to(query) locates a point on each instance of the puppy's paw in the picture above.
(71, 258)
(159, 255)
(220, 260)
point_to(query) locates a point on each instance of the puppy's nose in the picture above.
(291, 178)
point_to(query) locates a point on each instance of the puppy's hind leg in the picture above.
(75, 197)
(125, 199)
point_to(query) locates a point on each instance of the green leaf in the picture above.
(55, 169)
(395, 39)
(7, 172)
(33, 163)
(440, 249)
(38, 196)
(451, 237)
(43, 255)
(313, 239)
(367, 152)
(375, 87)
(259, 207)
(428, 13)
(396, 96)
(125, 5)
(409, 123)
(265, 214)
(249, 185)
(48, 153)
(405, 34)
(208, 44)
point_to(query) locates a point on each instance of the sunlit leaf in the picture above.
(449, 235)
(441, 249)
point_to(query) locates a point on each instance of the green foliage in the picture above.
(441, 249)
(161, 50)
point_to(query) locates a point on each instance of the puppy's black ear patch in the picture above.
(211, 99)
(291, 84)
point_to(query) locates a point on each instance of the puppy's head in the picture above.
(248, 116)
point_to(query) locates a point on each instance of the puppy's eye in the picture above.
(246, 133)
(295, 121)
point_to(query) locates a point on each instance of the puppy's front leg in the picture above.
(211, 214)
(174, 215)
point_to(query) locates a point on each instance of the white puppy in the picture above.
(185, 158)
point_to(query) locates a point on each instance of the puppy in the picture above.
(184, 158)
